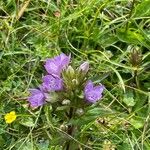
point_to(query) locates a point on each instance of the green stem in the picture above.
(130, 14)
(70, 128)
(136, 79)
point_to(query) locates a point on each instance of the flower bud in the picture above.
(63, 127)
(109, 54)
(75, 82)
(135, 57)
(70, 71)
(79, 112)
(65, 102)
(84, 67)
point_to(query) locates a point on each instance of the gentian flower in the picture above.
(52, 83)
(54, 66)
(84, 68)
(91, 93)
(37, 98)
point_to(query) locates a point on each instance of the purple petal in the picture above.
(91, 93)
(55, 65)
(65, 60)
(93, 96)
(89, 86)
(52, 67)
(99, 88)
(51, 83)
(37, 98)
(34, 91)
(62, 60)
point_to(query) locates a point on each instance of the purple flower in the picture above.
(37, 97)
(91, 93)
(84, 67)
(51, 83)
(54, 66)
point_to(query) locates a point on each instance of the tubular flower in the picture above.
(54, 66)
(51, 83)
(37, 97)
(84, 67)
(91, 93)
(10, 117)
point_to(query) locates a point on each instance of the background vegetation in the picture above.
(114, 35)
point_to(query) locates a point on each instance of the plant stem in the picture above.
(136, 79)
(130, 14)
(70, 128)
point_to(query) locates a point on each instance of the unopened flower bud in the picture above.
(109, 54)
(70, 71)
(65, 102)
(63, 127)
(75, 82)
(79, 112)
(135, 57)
(84, 67)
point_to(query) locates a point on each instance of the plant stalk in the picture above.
(130, 14)
(70, 128)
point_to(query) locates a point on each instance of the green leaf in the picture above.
(62, 108)
(120, 78)
(137, 123)
(107, 40)
(98, 112)
(143, 9)
(43, 145)
(2, 131)
(2, 141)
(28, 122)
(27, 146)
(130, 36)
(128, 99)
(124, 146)
(91, 115)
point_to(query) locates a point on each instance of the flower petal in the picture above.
(52, 67)
(99, 88)
(91, 93)
(55, 65)
(51, 83)
(37, 98)
(93, 96)
(88, 86)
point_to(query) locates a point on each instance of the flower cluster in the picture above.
(56, 81)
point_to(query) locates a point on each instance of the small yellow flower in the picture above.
(10, 117)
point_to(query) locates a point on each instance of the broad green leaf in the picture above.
(62, 108)
(124, 146)
(98, 112)
(91, 115)
(2, 141)
(27, 122)
(143, 9)
(27, 146)
(129, 99)
(107, 40)
(137, 123)
(43, 145)
(2, 131)
(130, 36)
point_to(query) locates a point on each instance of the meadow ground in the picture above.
(113, 35)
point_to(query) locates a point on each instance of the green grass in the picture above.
(114, 35)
